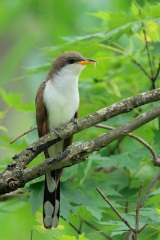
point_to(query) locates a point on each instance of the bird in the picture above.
(57, 103)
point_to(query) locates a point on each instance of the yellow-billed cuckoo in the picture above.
(57, 102)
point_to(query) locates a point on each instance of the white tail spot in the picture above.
(51, 183)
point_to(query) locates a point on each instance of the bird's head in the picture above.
(70, 62)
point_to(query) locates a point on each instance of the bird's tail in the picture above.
(51, 202)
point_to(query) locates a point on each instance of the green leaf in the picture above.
(83, 170)
(135, 8)
(64, 237)
(153, 200)
(120, 160)
(82, 237)
(2, 114)
(151, 10)
(74, 39)
(66, 207)
(112, 223)
(102, 15)
(38, 69)
(11, 99)
(36, 196)
(14, 100)
(120, 231)
(155, 48)
(4, 129)
(128, 192)
(74, 198)
(149, 215)
(157, 192)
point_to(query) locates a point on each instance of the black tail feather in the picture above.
(51, 201)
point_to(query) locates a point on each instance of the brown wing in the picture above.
(41, 114)
(68, 141)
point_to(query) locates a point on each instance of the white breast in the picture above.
(61, 98)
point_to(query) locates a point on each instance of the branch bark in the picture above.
(16, 175)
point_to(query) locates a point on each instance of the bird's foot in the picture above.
(56, 131)
(75, 121)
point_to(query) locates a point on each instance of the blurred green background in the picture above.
(28, 26)
(32, 33)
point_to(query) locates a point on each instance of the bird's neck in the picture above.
(62, 81)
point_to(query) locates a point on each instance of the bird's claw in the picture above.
(75, 121)
(56, 131)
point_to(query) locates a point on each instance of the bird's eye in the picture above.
(71, 60)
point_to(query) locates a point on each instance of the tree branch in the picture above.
(152, 151)
(126, 105)
(16, 174)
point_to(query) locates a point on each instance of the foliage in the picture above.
(124, 67)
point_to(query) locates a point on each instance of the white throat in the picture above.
(61, 96)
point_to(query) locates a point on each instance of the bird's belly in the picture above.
(61, 112)
(59, 117)
(61, 106)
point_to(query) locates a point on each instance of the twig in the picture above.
(80, 226)
(106, 170)
(76, 229)
(127, 202)
(95, 228)
(152, 151)
(155, 78)
(116, 147)
(151, 76)
(129, 235)
(137, 211)
(144, 226)
(136, 230)
(155, 180)
(24, 133)
(157, 73)
(115, 210)
(31, 236)
(142, 68)
(8, 196)
(148, 52)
